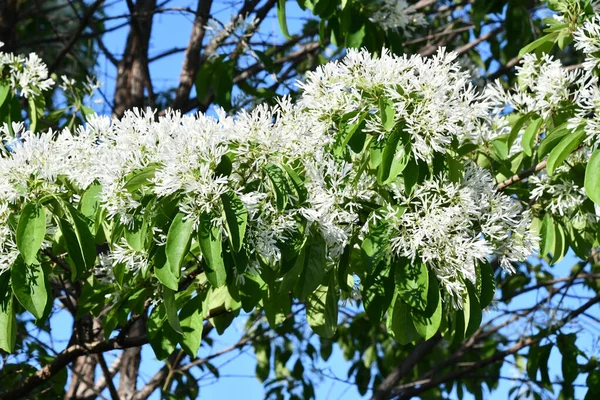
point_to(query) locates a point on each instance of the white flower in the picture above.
(587, 40)
(8, 246)
(451, 227)
(433, 100)
(27, 75)
(123, 253)
(544, 86)
(559, 195)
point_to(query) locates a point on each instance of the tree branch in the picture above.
(191, 63)
(522, 175)
(65, 358)
(383, 391)
(426, 385)
(85, 20)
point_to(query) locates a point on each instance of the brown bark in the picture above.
(88, 330)
(421, 350)
(191, 62)
(132, 71)
(130, 363)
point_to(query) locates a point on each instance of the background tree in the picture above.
(236, 65)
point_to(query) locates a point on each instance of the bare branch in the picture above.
(383, 391)
(526, 342)
(85, 20)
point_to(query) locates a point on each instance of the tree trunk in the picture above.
(130, 363)
(83, 374)
(132, 71)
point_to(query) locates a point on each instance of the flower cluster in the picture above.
(587, 40)
(25, 75)
(452, 226)
(560, 195)
(280, 162)
(432, 98)
(587, 101)
(544, 86)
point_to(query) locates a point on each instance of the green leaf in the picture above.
(224, 168)
(569, 351)
(87, 112)
(80, 242)
(282, 18)
(456, 168)
(375, 245)
(90, 201)
(314, 265)
(163, 339)
(8, 319)
(237, 217)
(487, 284)
(561, 244)
(139, 178)
(552, 139)
(33, 115)
(378, 293)
(280, 186)
(543, 364)
(395, 156)
(262, 352)
(163, 270)
(530, 135)
(204, 78)
(322, 309)
(474, 309)
(428, 321)
(178, 242)
(562, 150)
(277, 306)
(547, 235)
(30, 287)
(533, 359)
(251, 291)
(343, 267)
(84, 237)
(400, 323)
(4, 90)
(554, 241)
(363, 377)
(544, 44)
(298, 183)
(592, 177)
(564, 39)
(31, 231)
(514, 132)
(412, 283)
(209, 238)
(355, 38)
(410, 175)
(135, 233)
(388, 113)
(593, 383)
(171, 308)
(192, 325)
